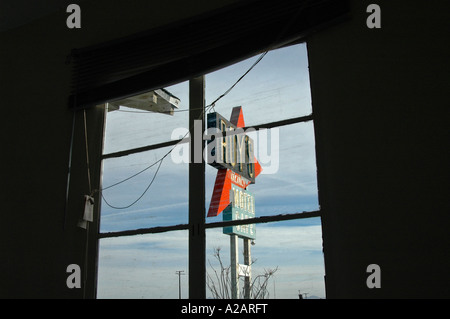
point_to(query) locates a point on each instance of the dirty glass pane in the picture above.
(164, 203)
(143, 266)
(288, 254)
(276, 88)
(288, 181)
(129, 127)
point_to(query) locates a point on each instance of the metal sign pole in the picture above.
(234, 258)
(247, 261)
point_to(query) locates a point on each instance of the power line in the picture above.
(235, 83)
(140, 172)
(128, 178)
(142, 195)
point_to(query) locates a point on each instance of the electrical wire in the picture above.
(235, 83)
(140, 172)
(207, 109)
(142, 195)
(128, 178)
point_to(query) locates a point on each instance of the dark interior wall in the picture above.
(380, 98)
(37, 242)
(381, 127)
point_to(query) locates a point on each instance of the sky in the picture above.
(144, 266)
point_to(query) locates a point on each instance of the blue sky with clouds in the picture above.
(144, 266)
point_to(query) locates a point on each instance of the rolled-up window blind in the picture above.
(195, 46)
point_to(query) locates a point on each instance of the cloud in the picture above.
(273, 240)
(144, 266)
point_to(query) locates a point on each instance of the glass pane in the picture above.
(129, 128)
(276, 88)
(292, 250)
(164, 203)
(143, 266)
(288, 181)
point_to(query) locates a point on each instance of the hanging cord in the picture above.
(207, 108)
(87, 153)
(86, 249)
(69, 169)
(86, 260)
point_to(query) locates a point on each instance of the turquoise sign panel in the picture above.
(242, 207)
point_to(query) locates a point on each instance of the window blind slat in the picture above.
(193, 47)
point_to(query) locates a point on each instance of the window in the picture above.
(145, 225)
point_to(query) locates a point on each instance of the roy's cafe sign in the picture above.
(233, 156)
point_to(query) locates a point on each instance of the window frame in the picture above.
(196, 225)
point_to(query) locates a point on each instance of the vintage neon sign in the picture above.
(227, 174)
(230, 148)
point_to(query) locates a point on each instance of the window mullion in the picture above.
(197, 237)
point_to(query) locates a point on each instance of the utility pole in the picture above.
(179, 273)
